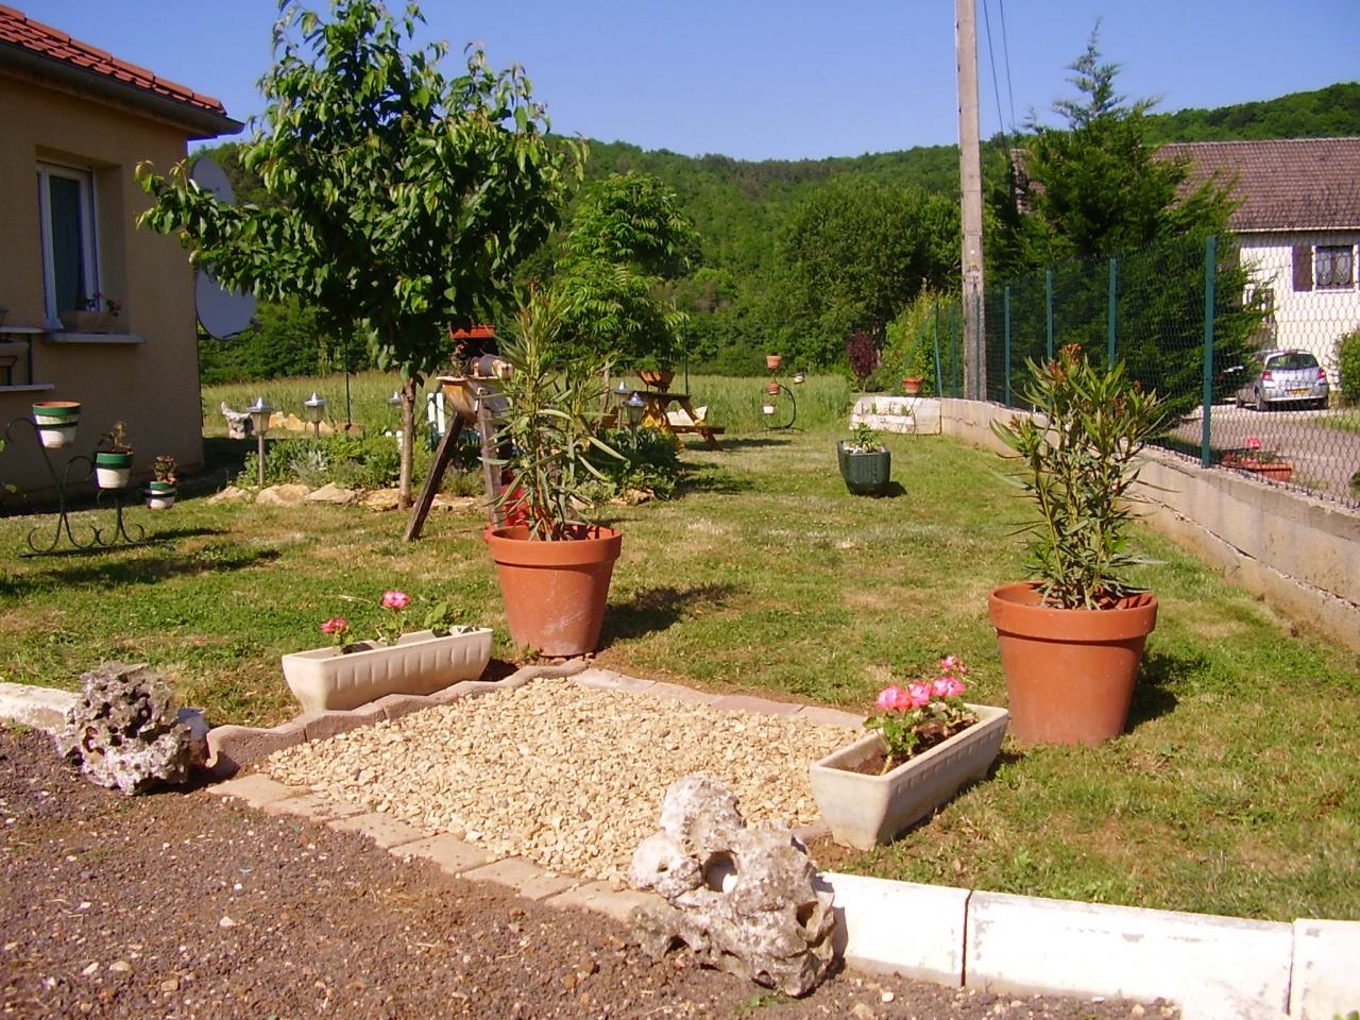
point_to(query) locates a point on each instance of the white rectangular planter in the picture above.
(419, 663)
(865, 810)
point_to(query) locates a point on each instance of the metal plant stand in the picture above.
(74, 534)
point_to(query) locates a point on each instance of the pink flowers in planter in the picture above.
(922, 713)
(390, 626)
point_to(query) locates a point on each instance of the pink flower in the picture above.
(947, 687)
(952, 665)
(1253, 442)
(335, 625)
(893, 699)
(920, 695)
(395, 600)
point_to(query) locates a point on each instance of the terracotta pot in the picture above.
(911, 385)
(555, 592)
(772, 389)
(773, 361)
(1069, 672)
(1276, 471)
(865, 810)
(657, 378)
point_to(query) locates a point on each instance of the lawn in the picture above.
(1236, 790)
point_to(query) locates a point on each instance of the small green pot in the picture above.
(112, 470)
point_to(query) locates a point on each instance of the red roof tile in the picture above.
(19, 30)
(1284, 183)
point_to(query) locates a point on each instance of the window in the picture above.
(1334, 265)
(69, 245)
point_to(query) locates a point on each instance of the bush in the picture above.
(1348, 367)
(650, 464)
(349, 460)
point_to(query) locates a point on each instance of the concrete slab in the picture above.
(871, 935)
(386, 831)
(1326, 983)
(678, 692)
(43, 708)
(256, 790)
(323, 725)
(395, 706)
(527, 879)
(746, 703)
(599, 898)
(314, 807)
(1211, 966)
(607, 679)
(453, 855)
(819, 716)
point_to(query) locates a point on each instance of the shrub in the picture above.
(1348, 367)
(863, 357)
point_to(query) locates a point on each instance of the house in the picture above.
(75, 122)
(1297, 227)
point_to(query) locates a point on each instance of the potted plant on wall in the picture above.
(1072, 639)
(865, 463)
(1256, 459)
(96, 314)
(113, 458)
(553, 566)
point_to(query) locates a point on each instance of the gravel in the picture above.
(569, 776)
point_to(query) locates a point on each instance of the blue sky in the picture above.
(781, 79)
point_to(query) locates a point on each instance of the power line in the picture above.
(1006, 57)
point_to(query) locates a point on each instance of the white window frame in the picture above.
(89, 219)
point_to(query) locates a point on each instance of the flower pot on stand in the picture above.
(1069, 672)
(555, 592)
(419, 663)
(112, 470)
(911, 385)
(866, 472)
(56, 421)
(864, 809)
(773, 361)
(160, 495)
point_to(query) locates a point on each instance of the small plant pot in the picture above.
(799, 378)
(773, 361)
(866, 472)
(159, 495)
(772, 389)
(112, 470)
(56, 421)
(767, 408)
(911, 385)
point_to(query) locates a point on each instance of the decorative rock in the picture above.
(332, 493)
(125, 731)
(743, 900)
(283, 495)
(239, 424)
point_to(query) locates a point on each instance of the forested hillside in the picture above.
(745, 293)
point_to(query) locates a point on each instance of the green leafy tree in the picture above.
(854, 252)
(404, 198)
(626, 240)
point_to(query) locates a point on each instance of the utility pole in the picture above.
(970, 187)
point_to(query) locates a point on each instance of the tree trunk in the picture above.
(408, 436)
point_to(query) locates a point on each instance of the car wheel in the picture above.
(1261, 404)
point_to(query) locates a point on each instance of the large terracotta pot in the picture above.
(1069, 672)
(555, 592)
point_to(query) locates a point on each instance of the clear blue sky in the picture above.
(781, 79)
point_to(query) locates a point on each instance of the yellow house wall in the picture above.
(151, 385)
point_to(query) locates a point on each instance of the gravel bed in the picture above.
(568, 776)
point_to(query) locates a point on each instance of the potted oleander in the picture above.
(113, 458)
(554, 566)
(865, 463)
(1072, 638)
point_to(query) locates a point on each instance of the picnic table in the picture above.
(684, 420)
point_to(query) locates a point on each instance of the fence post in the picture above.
(1006, 305)
(1048, 309)
(1113, 305)
(956, 346)
(939, 369)
(1206, 424)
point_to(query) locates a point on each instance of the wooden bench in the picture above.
(709, 432)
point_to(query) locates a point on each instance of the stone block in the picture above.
(1326, 983)
(384, 830)
(820, 716)
(1211, 966)
(230, 747)
(395, 706)
(599, 898)
(746, 703)
(43, 708)
(314, 807)
(256, 790)
(608, 680)
(527, 879)
(324, 724)
(453, 855)
(677, 692)
(873, 933)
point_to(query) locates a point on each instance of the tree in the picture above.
(404, 199)
(626, 240)
(854, 253)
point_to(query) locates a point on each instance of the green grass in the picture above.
(1236, 791)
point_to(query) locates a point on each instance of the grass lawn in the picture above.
(1236, 791)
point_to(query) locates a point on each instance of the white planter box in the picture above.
(419, 663)
(864, 810)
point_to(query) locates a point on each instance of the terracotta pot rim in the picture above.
(1015, 609)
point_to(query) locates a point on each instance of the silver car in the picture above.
(1286, 377)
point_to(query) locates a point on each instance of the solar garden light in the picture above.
(260, 413)
(635, 405)
(316, 410)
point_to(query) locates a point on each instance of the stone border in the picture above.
(1213, 968)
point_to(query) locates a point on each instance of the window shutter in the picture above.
(1303, 267)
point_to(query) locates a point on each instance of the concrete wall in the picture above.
(147, 375)
(1299, 553)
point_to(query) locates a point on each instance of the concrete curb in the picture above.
(1213, 968)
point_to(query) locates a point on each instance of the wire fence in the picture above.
(1255, 351)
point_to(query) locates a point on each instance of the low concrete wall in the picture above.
(1300, 554)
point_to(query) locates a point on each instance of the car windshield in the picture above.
(1292, 360)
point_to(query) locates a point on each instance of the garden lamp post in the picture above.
(259, 417)
(635, 405)
(316, 410)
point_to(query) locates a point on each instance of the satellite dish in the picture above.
(222, 313)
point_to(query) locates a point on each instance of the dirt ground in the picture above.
(183, 904)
